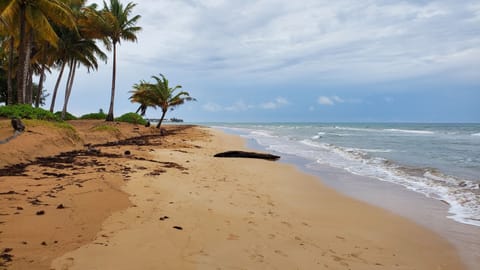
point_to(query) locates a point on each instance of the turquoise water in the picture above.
(440, 161)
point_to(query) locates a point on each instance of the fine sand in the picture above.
(167, 203)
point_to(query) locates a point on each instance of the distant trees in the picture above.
(158, 94)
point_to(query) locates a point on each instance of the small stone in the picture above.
(60, 206)
(178, 228)
(44, 243)
(40, 213)
(127, 153)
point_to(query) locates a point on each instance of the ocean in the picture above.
(439, 161)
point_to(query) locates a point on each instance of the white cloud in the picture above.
(212, 107)
(277, 103)
(240, 106)
(332, 100)
(323, 100)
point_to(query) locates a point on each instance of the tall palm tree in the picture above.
(159, 94)
(118, 26)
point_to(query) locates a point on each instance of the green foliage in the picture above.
(98, 116)
(27, 112)
(106, 128)
(132, 118)
(68, 116)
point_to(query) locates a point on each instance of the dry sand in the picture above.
(171, 205)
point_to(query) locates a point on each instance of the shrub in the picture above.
(68, 116)
(26, 111)
(132, 118)
(99, 115)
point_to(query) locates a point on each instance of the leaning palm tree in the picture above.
(118, 26)
(159, 94)
(140, 95)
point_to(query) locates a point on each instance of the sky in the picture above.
(299, 61)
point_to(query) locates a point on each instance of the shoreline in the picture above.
(394, 198)
(187, 210)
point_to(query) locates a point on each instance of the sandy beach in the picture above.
(127, 198)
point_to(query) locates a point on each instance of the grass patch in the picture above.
(63, 127)
(106, 128)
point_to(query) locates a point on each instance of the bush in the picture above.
(131, 118)
(68, 116)
(26, 111)
(98, 116)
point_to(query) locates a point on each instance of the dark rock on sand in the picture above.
(40, 213)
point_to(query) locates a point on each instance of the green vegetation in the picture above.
(158, 94)
(98, 116)
(131, 118)
(68, 116)
(64, 127)
(106, 128)
(26, 111)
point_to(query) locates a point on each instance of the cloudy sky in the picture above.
(308, 60)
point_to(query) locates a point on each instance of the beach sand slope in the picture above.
(193, 211)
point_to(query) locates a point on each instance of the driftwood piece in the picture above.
(18, 125)
(243, 154)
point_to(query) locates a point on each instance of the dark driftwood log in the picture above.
(18, 125)
(242, 154)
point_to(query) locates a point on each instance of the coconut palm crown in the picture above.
(158, 94)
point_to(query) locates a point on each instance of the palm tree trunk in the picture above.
(10, 99)
(164, 112)
(67, 89)
(112, 98)
(29, 89)
(29, 78)
(57, 84)
(40, 86)
(22, 63)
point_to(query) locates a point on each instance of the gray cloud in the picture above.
(374, 40)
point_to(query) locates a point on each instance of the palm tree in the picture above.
(159, 94)
(140, 95)
(34, 20)
(118, 26)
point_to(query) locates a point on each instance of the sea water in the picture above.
(439, 161)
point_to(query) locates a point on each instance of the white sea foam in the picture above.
(461, 194)
(476, 134)
(458, 193)
(410, 131)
